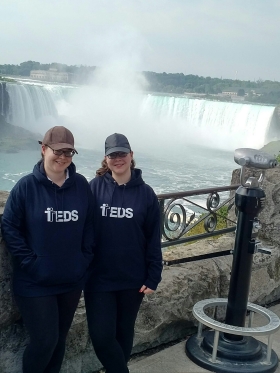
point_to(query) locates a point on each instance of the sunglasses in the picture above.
(67, 153)
(117, 155)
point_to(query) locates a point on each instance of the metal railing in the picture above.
(181, 213)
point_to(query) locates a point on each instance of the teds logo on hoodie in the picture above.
(116, 212)
(61, 216)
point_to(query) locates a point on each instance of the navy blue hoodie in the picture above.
(48, 230)
(127, 233)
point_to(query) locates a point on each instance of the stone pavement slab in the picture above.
(170, 360)
(175, 360)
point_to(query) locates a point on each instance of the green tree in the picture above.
(241, 92)
(26, 67)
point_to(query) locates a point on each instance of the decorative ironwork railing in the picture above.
(182, 214)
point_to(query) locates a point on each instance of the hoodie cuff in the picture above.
(151, 284)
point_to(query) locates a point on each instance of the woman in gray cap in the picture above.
(128, 261)
(47, 227)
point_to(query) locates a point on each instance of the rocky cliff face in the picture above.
(277, 113)
(4, 100)
(273, 133)
(166, 315)
(14, 138)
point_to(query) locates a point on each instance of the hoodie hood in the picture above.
(136, 179)
(40, 175)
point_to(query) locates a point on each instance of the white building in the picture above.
(51, 75)
(229, 93)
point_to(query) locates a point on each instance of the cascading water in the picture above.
(29, 103)
(214, 124)
(211, 123)
(163, 130)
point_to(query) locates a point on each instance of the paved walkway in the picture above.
(175, 360)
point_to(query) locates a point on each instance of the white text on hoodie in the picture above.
(116, 212)
(61, 216)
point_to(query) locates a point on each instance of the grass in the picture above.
(199, 229)
(222, 214)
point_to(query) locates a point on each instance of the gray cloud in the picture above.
(205, 37)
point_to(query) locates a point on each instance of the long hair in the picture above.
(104, 167)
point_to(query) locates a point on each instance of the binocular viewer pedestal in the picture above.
(230, 346)
(213, 351)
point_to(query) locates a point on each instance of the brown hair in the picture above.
(104, 167)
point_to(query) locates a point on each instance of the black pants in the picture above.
(47, 320)
(111, 317)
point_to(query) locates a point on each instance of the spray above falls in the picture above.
(152, 118)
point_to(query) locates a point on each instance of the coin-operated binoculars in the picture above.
(230, 346)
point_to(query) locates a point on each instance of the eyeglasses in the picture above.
(67, 153)
(117, 155)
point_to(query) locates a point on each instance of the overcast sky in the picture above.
(218, 38)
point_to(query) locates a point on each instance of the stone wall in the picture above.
(165, 315)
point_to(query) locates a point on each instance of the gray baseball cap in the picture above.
(116, 143)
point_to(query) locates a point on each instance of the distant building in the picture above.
(51, 75)
(229, 93)
(254, 93)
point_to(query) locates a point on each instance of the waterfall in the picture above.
(30, 103)
(212, 123)
(156, 118)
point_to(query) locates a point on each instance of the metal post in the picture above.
(228, 353)
(251, 318)
(249, 202)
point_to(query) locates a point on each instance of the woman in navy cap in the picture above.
(128, 259)
(47, 227)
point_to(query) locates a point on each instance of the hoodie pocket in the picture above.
(59, 269)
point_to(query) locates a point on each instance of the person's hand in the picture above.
(146, 290)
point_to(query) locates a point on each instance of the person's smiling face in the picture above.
(120, 165)
(55, 163)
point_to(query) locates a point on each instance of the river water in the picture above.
(180, 143)
(194, 168)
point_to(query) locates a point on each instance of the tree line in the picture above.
(82, 73)
(261, 91)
